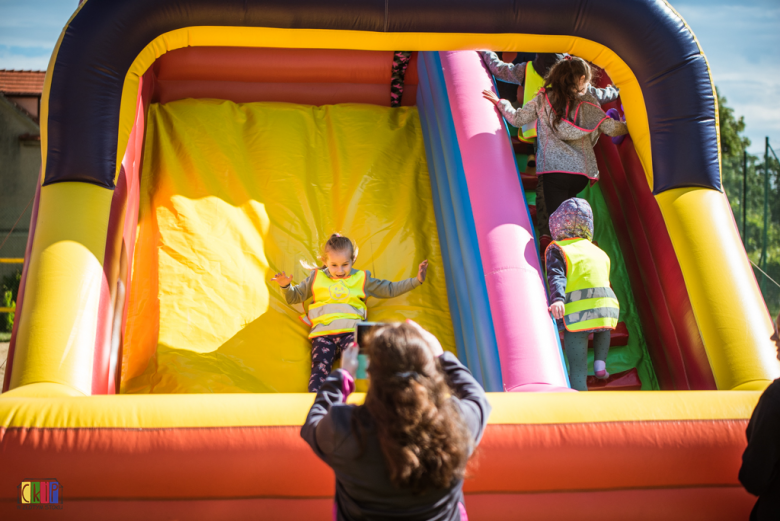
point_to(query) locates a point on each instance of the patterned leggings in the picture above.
(400, 63)
(324, 350)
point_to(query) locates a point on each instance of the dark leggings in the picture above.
(559, 186)
(324, 350)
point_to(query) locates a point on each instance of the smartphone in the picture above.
(362, 330)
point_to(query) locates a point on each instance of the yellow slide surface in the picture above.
(231, 194)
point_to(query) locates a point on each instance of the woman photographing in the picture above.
(403, 453)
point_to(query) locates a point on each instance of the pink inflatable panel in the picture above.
(527, 344)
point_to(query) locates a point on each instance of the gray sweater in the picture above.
(569, 147)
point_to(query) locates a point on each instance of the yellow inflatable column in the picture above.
(726, 300)
(56, 337)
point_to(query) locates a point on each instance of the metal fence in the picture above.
(752, 184)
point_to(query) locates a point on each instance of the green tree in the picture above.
(9, 290)
(733, 146)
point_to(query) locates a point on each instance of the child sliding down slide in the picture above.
(339, 295)
(582, 300)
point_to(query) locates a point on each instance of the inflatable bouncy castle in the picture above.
(192, 148)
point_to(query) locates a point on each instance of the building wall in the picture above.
(20, 163)
(28, 103)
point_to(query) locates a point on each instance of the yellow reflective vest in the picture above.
(337, 303)
(590, 302)
(533, 84)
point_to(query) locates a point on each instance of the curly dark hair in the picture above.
(562, 86)
(424, 440)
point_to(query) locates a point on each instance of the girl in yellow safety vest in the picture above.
(338, 293)
(582, 300)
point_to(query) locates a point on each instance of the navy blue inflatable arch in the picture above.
(105, 36)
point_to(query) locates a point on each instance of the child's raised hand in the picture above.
(491, 96)
(422, 271)
(557, 309)
(282, 279)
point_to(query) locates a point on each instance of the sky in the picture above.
(741, 39)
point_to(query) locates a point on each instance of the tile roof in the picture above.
(21, 82)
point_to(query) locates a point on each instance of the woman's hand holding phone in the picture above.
(349, 359)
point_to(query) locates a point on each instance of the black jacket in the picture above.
(363, 486)
(760, 472)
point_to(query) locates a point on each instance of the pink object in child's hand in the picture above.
(347, 385)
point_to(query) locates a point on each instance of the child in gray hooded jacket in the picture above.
(581, 299)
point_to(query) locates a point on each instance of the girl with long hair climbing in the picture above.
(569, 122)
(531, 76)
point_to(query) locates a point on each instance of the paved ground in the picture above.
(3, 354)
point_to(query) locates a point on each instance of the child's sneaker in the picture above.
(600, 369)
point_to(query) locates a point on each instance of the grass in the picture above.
(5, 336)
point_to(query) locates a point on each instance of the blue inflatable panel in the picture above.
(457, 224)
